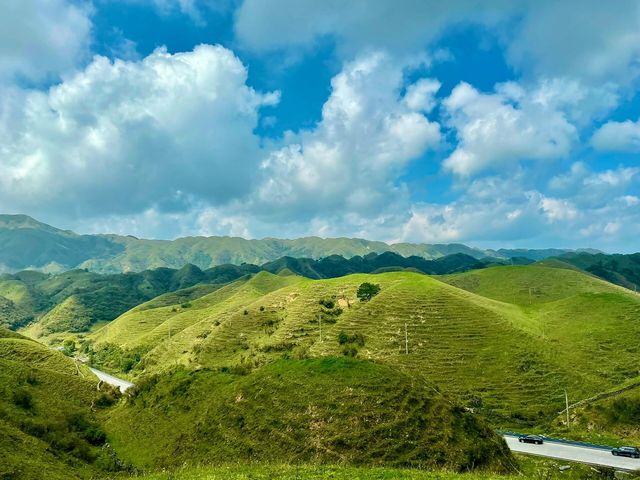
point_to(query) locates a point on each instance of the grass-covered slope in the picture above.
(47, 427)
(76, 300)
(620, 269)
(323, 410)
(578, 333)
(525, 285)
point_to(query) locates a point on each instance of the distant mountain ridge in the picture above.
(26, 243)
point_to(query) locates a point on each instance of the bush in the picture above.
(23, 399)
(69, 348)
(356, 339)
(327, 303)
(86, 429)
(367, 291)
(350, 351)
(105, 400)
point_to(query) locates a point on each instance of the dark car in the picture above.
(537, 439)
(633, 452)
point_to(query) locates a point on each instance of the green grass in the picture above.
(510, 360)
(529, 467)
(330, 410)
(526, 285)
(46, 419)
(50, 307)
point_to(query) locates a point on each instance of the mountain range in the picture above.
(26, 243)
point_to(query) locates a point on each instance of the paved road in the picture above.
(593, 456)
(111, 380)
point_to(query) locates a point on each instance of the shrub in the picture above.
(356, 339)
(105, 400)
(86, 429)
(261, 308)
(367, 291)
(327, 303)
(23, 399)
(350, 351)
(185, 305)
(69, 348)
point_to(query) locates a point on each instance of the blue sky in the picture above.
(492, 123)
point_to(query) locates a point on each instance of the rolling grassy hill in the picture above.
(48, 307)
(76, 300)
(335, 410)
(479, 335)
(46, 421)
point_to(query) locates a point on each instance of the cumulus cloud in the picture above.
(504, 127)
(499, 211)
(40, 39)
(125, 136)
(618, 137)
(351, 160)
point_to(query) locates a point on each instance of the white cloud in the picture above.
(502, 128)
(126, 136)
(588, 39)
(558, 209)
(588, 189)
(357, 25)
(351, 160)
(618, 137)
(421, 95)
(40, 39)
(499, 212)
(593, 40)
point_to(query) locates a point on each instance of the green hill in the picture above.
(76, 300)
(46, 419)
(508, 359)
(334, 410)
(26, 243)
(48, 307)
(525, 285)
(623, 270)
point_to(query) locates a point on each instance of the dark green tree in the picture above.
(367, 291)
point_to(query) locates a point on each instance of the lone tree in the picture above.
(367, 291)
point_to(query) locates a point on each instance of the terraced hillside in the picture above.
(334, 410)
(514, 359)
(46, 420)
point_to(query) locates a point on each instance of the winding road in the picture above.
(123, 385)
(574, 453)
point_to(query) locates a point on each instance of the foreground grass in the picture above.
(530, 467)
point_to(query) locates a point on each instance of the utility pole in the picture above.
(566, 401)
(530, 301)
(406, 340)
